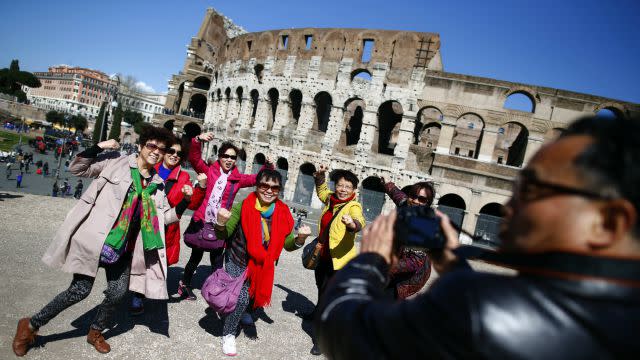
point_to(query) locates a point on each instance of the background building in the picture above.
(146, 104)
(377, 102)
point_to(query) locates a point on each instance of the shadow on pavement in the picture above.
(299, 305)
(9, 196)
(211, 323)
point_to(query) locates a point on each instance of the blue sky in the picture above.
(585, 46)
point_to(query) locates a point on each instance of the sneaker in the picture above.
(229, 345)
(185, 291)
(137, 306)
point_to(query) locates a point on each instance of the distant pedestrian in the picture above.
(66, 188)
(78, 192)
(19, 180)
(66, 165)
(26, 166)
(21, 164)
(56, 189)
(45, 168)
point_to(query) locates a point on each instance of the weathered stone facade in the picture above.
(306, 96)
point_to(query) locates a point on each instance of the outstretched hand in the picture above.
(321, 170)
(110, 144)
(187, 191)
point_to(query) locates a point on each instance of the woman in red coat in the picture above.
(175, 178)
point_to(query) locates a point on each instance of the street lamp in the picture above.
(113, 104)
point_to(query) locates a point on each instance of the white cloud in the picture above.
(144, 87)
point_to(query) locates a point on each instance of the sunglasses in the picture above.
(264, 187)
(227, 156)
(528, 187)
(154, 147)
(172, 151)
(422, 199)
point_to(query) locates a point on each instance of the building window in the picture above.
(500, 160)
(308, 40)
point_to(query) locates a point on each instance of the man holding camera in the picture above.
(571, 230)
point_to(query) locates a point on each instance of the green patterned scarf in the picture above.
(149, 225)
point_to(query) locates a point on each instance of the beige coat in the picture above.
(77, 244)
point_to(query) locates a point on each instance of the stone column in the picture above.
(405, 137)
(336, 120)
(283, 112)
(244, 117)
(446, 135)
(489, 139)
(534, 142)
(471, 213)
(260, 122)
(209, 114)
(186, 96)
(368, 133)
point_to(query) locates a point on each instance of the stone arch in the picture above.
(258, 69)
(274, 97)
(227, 93)
(255, 98)
(511, 144)
(239, 91)
(333, 45)
(176, 105)
(169, 125)
(529, 92)
(615, 109)
(389, 119)
(282, 165)
(467, 135)
(488, 224)
(202, 83)
(258, 161)
(305, 185)
(323, 104)
(361, 75)
(454, 206)
(428, 115)
(553, 134)
(353, 117)
(192, 130)
(520, 101)
(372, 197)
(241, 163)
(219, 94)
(295, 101)
(198, 105)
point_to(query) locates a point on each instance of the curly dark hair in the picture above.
(159, 134)
(611, 164)
(226, 146)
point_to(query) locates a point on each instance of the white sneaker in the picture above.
(229, 345)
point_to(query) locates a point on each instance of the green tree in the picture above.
(12, 79)
(133, 117)
(55, 117)
(97, 128)
(114, 133)
(79, 122)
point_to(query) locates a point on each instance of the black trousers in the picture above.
(323, 273)
(215, 256)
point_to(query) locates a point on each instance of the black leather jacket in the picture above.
(473, 315)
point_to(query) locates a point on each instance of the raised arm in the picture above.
(195, 152)
(92, 161)
(227, 221)
(395, 194)
(249, 180)
(198, 192)
(322, 190)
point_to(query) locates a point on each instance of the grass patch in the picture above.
(9, 139)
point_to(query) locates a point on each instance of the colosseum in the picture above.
(375, 101)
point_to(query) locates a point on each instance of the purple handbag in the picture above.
(221, 291)
(201, 235)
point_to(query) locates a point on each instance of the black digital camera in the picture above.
(418, 227)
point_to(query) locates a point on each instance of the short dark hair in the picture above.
(269, 174)
(159, 134)
(412, 191)
(338, 174)
(611, 164)
(226, 146)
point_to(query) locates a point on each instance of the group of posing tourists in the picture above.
(127, 222)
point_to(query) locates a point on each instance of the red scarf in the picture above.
(262, 261)
(326, 219)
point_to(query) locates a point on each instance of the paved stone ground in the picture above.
(168, 330)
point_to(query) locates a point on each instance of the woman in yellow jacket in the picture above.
(340, 221)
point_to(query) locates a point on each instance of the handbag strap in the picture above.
(321, 237)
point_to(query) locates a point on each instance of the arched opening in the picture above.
(274, 96)
(255, 97)
(295, 97)
(197, 106)
(227, 94)
(202, 83)
(258, 69)
(192, 129)
(169, 125)
(520, 101)
(389, 119)
(305, 186)
(372, 197)
(258, 161)
(323, 111)
(430, 135)
(609, 113)
(239, 91)
(219, 94)
(282, 165)
(353, 116)
(361, 75)
(467, 136)
(511, 144)
(488, 224)
(427, 116)
(454, 206)
(241, 163)
(176, 105)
